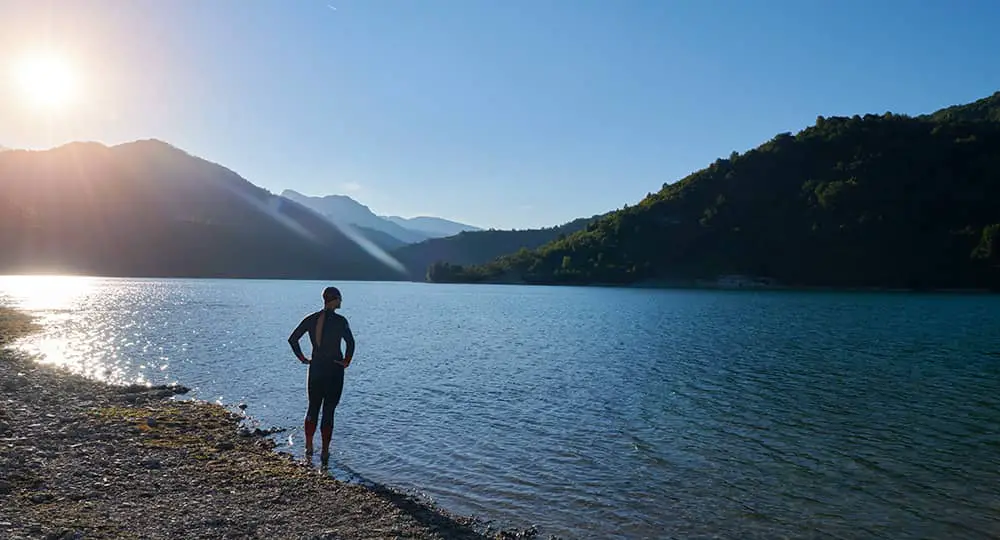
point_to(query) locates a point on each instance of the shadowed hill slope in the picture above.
(149, 209)
(477, 247)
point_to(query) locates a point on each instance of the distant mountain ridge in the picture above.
(148, 209)
(433, 227)
(345, 211)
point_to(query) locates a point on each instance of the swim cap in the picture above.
(330, 293)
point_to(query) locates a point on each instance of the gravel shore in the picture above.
(82, 459)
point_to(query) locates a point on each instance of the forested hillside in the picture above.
(864, 201)
(476, 247)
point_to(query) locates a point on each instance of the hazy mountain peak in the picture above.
(81, 146)
(342, 208)
(332, 199)
(433, 227)
(156, 147)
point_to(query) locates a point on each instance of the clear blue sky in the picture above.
(509, 114)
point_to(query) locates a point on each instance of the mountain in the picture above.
(432, 227)
(477, 247)
(344, 210)
(149, 209)
(385, 241)
(864, 201)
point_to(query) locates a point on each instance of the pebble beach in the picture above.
(84, 459)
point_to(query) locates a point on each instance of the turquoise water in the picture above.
(596, 413)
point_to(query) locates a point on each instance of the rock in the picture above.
(11, 385)
(40, 498)
(64, 534)
(327, 535)
(98, 479)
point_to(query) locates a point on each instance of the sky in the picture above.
(505, 114)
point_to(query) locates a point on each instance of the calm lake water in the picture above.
(596, 413)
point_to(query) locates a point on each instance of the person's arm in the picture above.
(293, 340)
(349, 340)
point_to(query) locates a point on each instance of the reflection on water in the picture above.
(82, 327)
(49, 293)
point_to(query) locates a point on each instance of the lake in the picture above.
(595, 412)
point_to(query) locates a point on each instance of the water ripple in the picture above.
(597, 413)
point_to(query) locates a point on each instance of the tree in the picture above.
(989, 244)
(875, 200)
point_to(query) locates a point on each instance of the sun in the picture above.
(47, 81)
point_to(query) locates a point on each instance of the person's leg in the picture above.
(314, 388)
(331, 398)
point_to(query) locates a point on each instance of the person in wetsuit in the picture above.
(325, 382)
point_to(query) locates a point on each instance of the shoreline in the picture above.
(658, 284)
(709, 286)
(87, 459)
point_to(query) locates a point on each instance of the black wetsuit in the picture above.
(326, 370)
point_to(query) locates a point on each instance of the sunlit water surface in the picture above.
(595, 413)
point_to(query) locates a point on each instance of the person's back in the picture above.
(326, 330)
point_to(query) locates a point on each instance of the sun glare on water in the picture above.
(69, 334)
(45, 292)
(46, 81)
